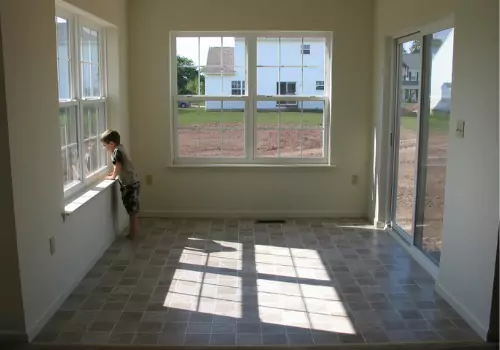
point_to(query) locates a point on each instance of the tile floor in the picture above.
(224, 282)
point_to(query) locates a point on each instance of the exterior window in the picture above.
(306, 49)
(250, 98)
(82, 103)
(237, 87)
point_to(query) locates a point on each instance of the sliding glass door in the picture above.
(421, 138)
(405, 134)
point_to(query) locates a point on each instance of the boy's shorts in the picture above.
(130, 197)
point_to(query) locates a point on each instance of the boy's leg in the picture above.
(134, 225)
(131, 202)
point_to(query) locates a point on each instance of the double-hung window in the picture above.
(82, 102)
(252, 98)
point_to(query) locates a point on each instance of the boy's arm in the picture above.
(117, 159)
(117, 167)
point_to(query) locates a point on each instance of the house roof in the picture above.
(412, 60)
(214, 58)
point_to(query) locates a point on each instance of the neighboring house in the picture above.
(302, 72)
(411, 77)
(441, 75)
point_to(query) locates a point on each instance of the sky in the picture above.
(188, 47)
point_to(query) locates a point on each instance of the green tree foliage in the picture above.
(187, 77)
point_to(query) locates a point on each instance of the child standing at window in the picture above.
(124, 171)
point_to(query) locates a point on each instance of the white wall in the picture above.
(11, 305)
(289, 191)
(32, 110)
(472, 210)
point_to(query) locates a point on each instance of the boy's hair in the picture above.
(110, 136)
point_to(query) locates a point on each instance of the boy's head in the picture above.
(110, 139)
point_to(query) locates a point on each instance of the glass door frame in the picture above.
(411, 241)
(395, 134)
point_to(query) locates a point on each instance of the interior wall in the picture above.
(11, 304)
(471, 209)
(32, 109)
(246, 190)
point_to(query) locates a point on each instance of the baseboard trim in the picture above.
(251, 214)
(35, 329)
(471, 320)
(12, 337)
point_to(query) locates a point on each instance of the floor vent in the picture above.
(270, 222)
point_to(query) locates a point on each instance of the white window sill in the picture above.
(86, 195)
(243, 165)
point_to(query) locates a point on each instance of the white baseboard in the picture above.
(250, 214)
(35, 329)
(480, 329)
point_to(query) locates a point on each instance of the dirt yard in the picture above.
(435, 168)
(231, 143)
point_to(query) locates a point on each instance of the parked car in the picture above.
(183, 104)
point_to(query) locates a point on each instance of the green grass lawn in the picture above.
(197, 116)
(437, 123)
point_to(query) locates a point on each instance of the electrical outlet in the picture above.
(354, 180)
(52, 245)
(149, 179)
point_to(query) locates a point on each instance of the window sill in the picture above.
(236, 165)
(78, 200)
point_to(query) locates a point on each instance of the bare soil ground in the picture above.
(231, 143)
(435, 167)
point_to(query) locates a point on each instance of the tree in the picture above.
(187, 77)
(416, 45)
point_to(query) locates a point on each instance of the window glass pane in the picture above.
(208, 65)
(93, 159)
(95, 81)
(63, 79)
(90, 63)
(211, 129)
(285, 126)
(290, 129)
(299, 62)
(68, 130)
(63, 58)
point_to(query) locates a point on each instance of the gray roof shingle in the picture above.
(214, 58)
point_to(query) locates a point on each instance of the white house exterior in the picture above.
(284, 67)
(441, 74)
(441, 77)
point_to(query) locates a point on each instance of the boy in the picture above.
(124, 171)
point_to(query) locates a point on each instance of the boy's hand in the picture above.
(109, 177)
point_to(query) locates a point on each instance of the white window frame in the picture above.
(76, 24)
(250, 99)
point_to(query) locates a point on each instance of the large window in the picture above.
(82, 103)
(251, 98)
